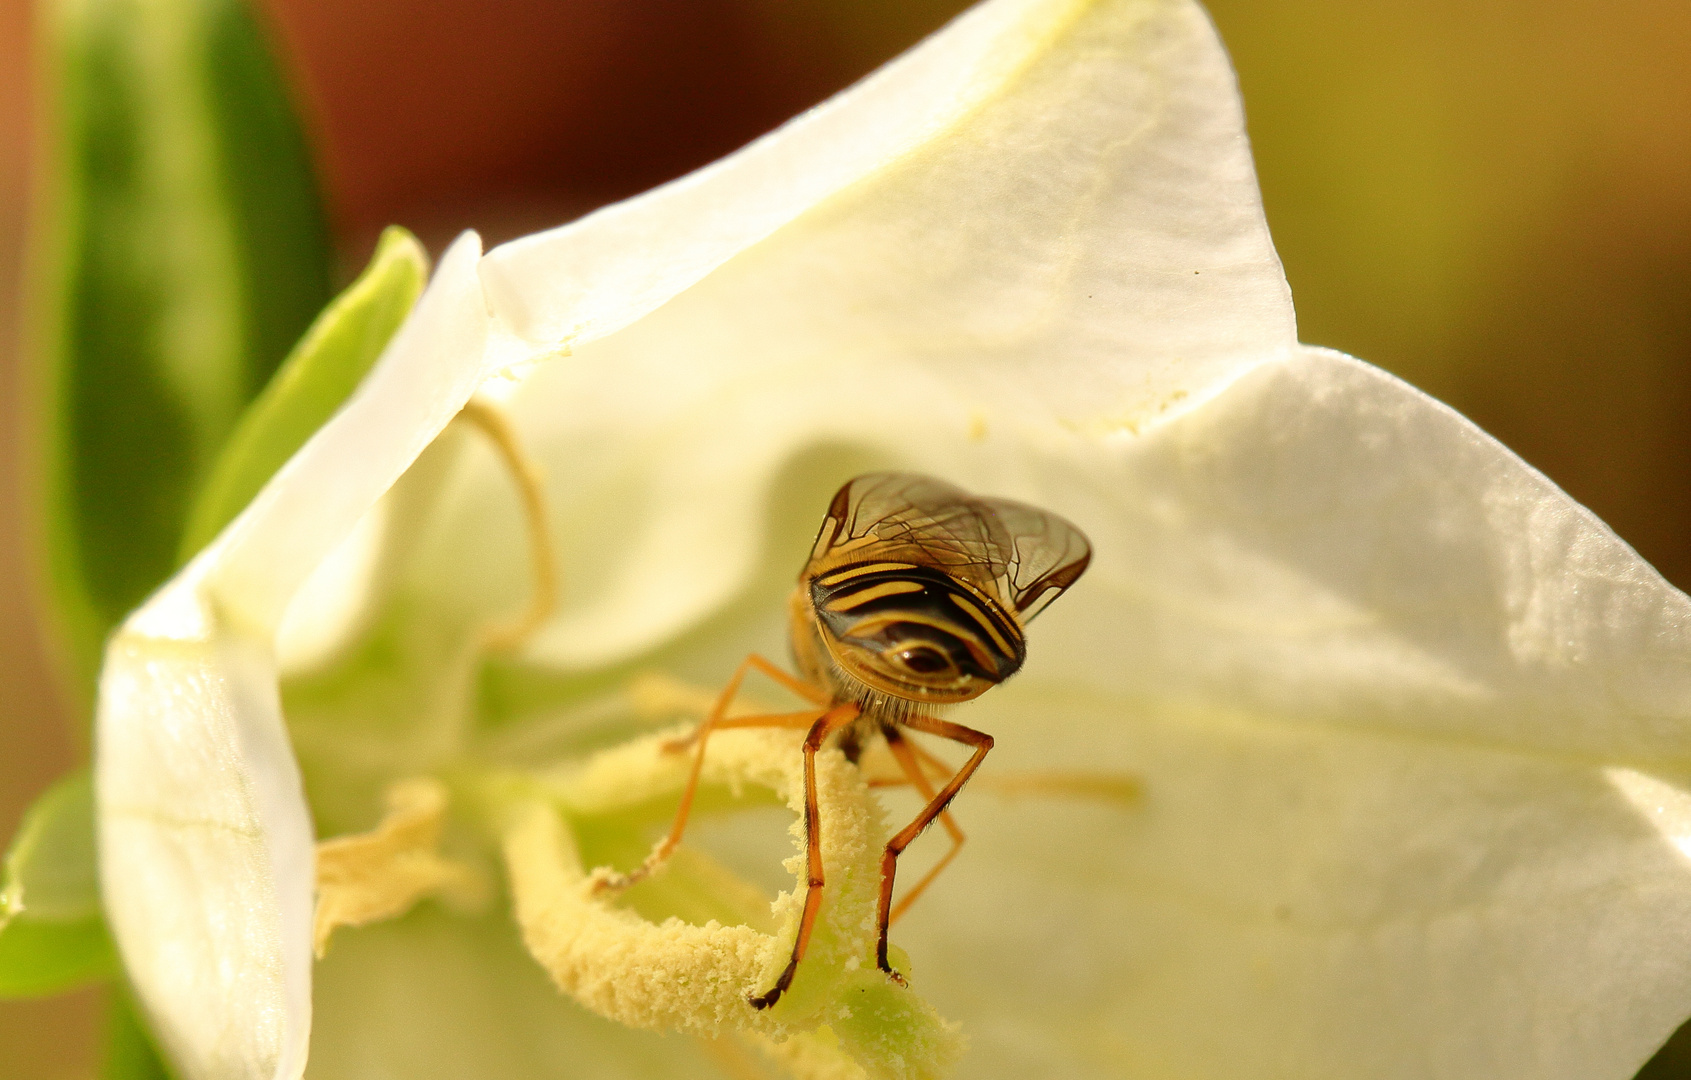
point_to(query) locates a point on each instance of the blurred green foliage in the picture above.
(52, 936)
(130, 1053)
(182, 250)
(319, 374)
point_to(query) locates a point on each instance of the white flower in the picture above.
(1410, 725)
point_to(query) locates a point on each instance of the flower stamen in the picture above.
(377, 875)
(492, 422)
(696, 979)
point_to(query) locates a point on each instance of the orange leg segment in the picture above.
(981, 742)
(830, 722)
(716, 721)
(906, 752)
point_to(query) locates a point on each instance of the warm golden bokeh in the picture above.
(1494, 201)
(1491, 199)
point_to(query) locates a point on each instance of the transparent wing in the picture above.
(907, 517)
(1049, 554)
(1024, 555)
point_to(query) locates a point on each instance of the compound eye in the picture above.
(923, 660)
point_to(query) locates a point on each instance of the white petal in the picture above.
(1393, 699)
(1406, 719)
(1038, 165)
(985, 148)
(205, 838)
(1405, 716)
(1400, 707)
(1326, 542)
(1076, 247)
(445, 349)
(205, 853)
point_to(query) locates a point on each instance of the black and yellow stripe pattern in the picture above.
(915, 631)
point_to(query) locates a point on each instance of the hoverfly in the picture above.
(915, 597)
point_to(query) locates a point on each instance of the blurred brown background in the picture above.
(1491, 198)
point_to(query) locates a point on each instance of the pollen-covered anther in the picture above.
(677, 976)
(380, 874)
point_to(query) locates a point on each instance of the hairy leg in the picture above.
(981, 742)
(831, 721)
(906, 752)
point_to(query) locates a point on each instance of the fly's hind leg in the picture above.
(981, 742)
(605, 879)
(915, 761)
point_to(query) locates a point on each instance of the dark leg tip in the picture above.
(781, 984)
(886, 966)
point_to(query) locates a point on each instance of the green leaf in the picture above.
(317, 376)
(38, 959)
(130, 1052)
(182, 250)
(52, 934)
(50, 869)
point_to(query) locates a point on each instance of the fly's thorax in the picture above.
(898, 637)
